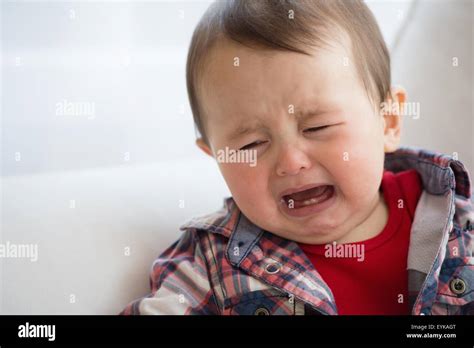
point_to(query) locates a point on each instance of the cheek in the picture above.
(247, 184)
(356, 163)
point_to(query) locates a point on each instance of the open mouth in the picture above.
(308, 200)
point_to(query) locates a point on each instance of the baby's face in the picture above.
(312, 125)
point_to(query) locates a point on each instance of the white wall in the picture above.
(124, 58)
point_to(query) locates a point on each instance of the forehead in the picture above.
(239, 81)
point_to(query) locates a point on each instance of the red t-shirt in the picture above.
(379, 283)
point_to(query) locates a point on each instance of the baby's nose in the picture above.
(291, 161)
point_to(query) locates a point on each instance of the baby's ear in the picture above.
(203, 146)
(392, 111)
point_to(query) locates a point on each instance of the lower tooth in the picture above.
(310, 201)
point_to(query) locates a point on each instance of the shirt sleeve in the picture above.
(179, 282)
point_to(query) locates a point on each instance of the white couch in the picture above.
(86, 222)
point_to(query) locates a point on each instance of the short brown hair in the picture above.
(290, 25)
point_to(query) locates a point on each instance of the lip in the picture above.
(298, 189)
(310, 209)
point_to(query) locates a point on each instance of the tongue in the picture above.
(308, 194)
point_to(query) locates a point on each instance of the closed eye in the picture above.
(252, 145)
(315, 129)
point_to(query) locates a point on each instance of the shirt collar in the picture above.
(439, 173)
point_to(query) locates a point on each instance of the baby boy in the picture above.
(328, 215)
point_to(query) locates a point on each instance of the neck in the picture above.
(372, 225)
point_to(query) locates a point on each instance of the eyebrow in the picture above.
(311, 112)
(244, 129)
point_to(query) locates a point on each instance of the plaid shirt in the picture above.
(224, 264)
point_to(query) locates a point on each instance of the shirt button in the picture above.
(262, 311)
(272, 268)
(457, 286)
